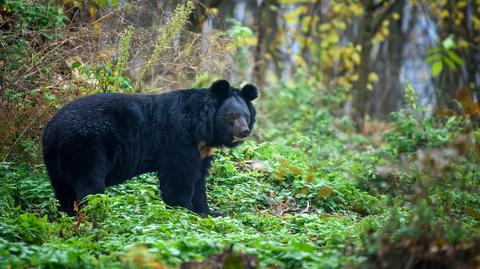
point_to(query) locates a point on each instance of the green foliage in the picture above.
(24, 19)
(107, 77)
(34, 16)
(414, 129)
(123, 49)
(131, 215)
(242, 38)
(311, 195)
(165, 35)
(428, 172)
(292, 204)
(308, 107)
(204, 80)
(444, 55)
(101, 78)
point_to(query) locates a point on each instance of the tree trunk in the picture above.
(371, 21)
(360, 91)
(388, 92)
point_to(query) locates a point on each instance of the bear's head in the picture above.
(235, 116)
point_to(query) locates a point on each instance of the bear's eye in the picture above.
(231, 115)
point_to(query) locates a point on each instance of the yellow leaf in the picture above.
(379, 37)
(373, 77)
(356, 58)
(344, 82)
(356, 9)
(303, 191)
(92, 10)
(325, 191)
(462, 4)
(212, 10)
(333, 37)
(324, 27)
(348, 64)
(339, 24)
(295, 170)
(444, 14)
(476, 23)
(337, 7)
(462, 43)
(396, 16)
(299, 60)
(306, 23)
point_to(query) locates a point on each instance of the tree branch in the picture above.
(379, 4)
(381, 17)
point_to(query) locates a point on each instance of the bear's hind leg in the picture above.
(65, 196)
(89, 185)
(86, 173)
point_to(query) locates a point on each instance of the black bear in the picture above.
(104, 139)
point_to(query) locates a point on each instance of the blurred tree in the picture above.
(461, 19)
(266, 30)
(374, 15)
(387, 95)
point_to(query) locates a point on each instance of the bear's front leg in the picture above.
(199, 200)
(178, 174)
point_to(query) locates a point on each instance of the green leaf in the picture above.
(452, 55)
(450, 63)
(448, 43)
(437, 68)
(433, 58)
(433, 50)
(76, 65)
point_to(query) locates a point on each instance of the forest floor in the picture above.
(306, 192)
(293, 205)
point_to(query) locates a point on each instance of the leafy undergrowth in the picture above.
(290, 210)
(314, 194)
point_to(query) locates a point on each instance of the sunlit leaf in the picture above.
(437, 68)
(356, 9)
(373, 77)
(448, 43)
(356, 58)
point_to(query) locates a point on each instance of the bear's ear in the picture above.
(220, 88)
(249, 92)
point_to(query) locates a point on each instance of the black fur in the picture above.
(104, 139)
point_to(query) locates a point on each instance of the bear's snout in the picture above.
(244, 133)
(240, 129)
